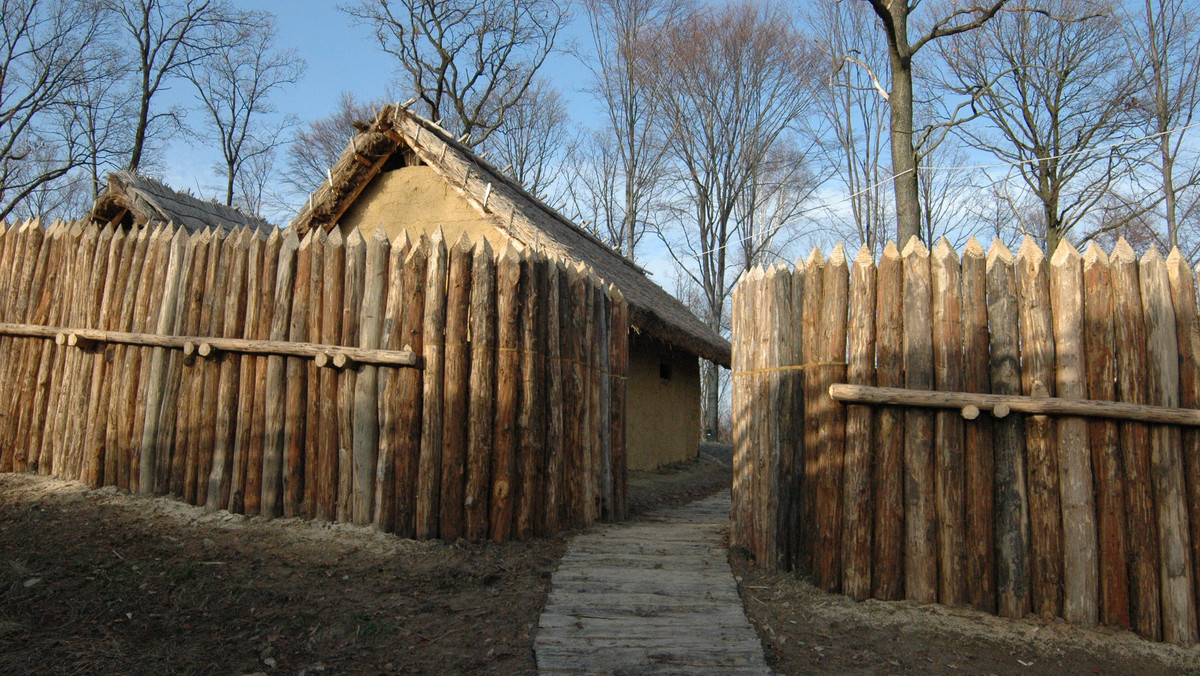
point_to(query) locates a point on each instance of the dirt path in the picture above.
(649, 597)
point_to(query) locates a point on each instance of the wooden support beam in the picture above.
(1002, 404)
(340, 355)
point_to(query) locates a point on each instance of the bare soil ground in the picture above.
(103, 582)
(807, 631)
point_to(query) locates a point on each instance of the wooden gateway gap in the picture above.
(477, 394)
(1086, 508)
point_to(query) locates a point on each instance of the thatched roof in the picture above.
(133, 198)
(398, 137)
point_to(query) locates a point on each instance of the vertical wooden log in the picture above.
(920, 559)
(410, 388)
(1099, 345)
(619, 364)
(508, 374)
(827, 573)
(152, 467)
(333, 281)
(116, 453)
(214, 310)
(92, 285)
(37, 383)
(1141, 524)
(429, 468)
(108, 317)
(258, 420)
(183, 400)
(482, 389)
(856, 549)
(604, 307)
(794, 528)
(150, 302)
(950, 480)
(54, 428)
(389, 381)
(40, 449)
(1170, 495)
(814, 280)
(738, 339)
(356, 255)
(312, 413)
(13, 449)
(384, 509)
(775, 300)
(26, 357)
(228, 365)
(295, 433)
(1187, 330)
(366, 393)
(457, 383)
(16, 301)
(1037, 380)
(591, 451)
(552, 489)
(248, 396)
(1080, 567)
(980, 469)
(275, 383)
(1012, 516)
(746, 464)
(531, 431)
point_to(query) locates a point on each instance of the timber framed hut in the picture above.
(135, 200)
(404, 173)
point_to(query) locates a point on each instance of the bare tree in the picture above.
(593, 187)
(729, 84)
(235, 85)
(853, 118)
(1055, 89)
(318, 145)
(468, 62)
(167, 37)
(894, 17)
(532, 137)
(620, 29)
(47, 54)
(945, 191)
(775, 197)
(1163, 37)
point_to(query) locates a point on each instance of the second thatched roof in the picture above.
(132, 198)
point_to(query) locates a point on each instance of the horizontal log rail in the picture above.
(1002, 404)
(336, 355)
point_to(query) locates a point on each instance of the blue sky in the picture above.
(342, 57)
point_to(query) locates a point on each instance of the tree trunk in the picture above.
(711, 400)
(904, 156)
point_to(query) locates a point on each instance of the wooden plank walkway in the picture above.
(651, 597)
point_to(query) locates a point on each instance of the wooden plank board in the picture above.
(630, 610)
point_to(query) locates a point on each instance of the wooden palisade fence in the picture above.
(432, 389)
(907, 494)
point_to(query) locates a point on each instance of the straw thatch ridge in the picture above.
(133, 198)
(513, 210)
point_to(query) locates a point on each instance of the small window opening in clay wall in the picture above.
(664, 371)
